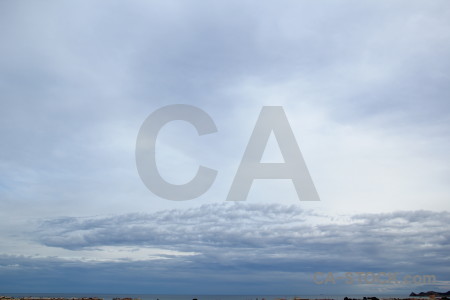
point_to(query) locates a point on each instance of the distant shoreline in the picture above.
(427, 295)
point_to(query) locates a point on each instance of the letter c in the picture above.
(316, 281)
(146, 159)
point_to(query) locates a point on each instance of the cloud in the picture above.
(270, 237)
(74, 95)
(365, 88)
(253, 247)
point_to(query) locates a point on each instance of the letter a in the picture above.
(272, 118)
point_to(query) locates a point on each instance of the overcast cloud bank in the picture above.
(223, 243)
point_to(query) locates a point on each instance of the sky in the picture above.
(364, 86)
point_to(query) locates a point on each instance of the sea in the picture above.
(203, 297)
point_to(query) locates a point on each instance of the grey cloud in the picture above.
(269, 237)
(237, 245)
(220, 225)
(32, 275)
(68, 87)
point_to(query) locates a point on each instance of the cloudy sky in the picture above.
(365, 86)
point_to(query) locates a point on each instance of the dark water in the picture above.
(199, 297)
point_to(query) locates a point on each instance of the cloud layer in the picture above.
(268, 232)
(284, 244)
